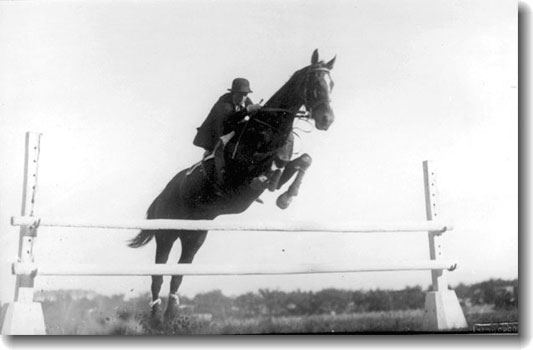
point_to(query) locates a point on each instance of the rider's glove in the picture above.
(253, 108)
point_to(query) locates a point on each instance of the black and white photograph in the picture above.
(259, 167)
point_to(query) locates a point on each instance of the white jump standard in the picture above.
(24, 315)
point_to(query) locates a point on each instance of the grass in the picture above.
(402, 322)
(378, 322)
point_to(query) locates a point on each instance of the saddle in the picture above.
(214, 165)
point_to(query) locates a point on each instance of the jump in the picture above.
(256, 155)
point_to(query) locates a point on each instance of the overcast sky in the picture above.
(118, 89)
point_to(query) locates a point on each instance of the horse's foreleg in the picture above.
(190, 243)
(163, 247)
(282, 171)
(299, 165)
(274, 180)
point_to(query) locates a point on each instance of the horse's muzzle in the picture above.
(323, 120)
(323, 116)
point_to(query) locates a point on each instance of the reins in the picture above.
(297, 114)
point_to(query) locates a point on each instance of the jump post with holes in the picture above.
(24, 316)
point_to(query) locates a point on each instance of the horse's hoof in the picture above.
(171, 312)
(172, 307)
(156, 316)
(284, 201)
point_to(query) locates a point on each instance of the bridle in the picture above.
(309, 109)
(297, 114)
(317, 102)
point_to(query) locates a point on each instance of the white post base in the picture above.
(443, 312)
(24, 319)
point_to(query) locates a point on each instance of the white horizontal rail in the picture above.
(216, 269)
(210, 225)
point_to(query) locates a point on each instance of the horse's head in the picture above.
(317, 90)
(310, 87)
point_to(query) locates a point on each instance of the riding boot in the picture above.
(220, 171)
(220, 162)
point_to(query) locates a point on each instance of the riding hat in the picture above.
(240, 85)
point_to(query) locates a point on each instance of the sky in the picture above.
(118, 89)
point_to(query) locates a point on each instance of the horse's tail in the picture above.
(144, 236)
(141, 239)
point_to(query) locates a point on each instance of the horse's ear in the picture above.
(314, 58)
(331, 63)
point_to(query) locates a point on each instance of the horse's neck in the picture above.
(286, 98)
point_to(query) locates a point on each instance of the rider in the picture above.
(230, 108)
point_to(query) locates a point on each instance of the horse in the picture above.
(258, 148)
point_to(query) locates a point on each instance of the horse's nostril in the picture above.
(325, 121)
(322, 125)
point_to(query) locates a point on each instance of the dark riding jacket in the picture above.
(220, 121)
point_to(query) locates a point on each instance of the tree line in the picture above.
(276, 303)
(267, 302)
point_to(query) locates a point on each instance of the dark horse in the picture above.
(258, 148)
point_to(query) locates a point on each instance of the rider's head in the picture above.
(240, 88)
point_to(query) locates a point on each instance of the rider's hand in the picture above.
(253, 108)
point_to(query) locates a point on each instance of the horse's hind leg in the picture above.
(190, 243)
(300, 165)
(164, 242)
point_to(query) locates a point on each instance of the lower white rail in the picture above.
(216, 269)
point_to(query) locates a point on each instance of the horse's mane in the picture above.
(283, 98)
